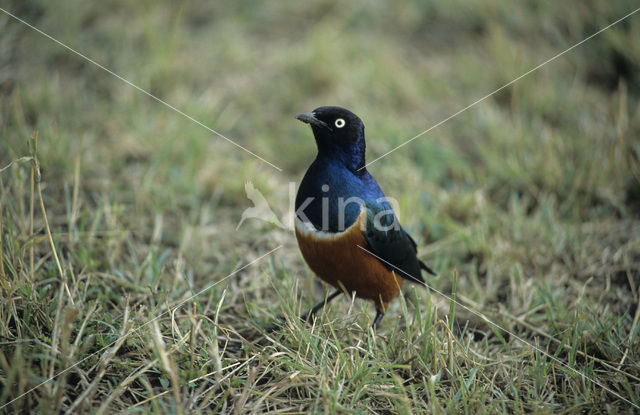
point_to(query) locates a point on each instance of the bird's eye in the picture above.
(340, 123)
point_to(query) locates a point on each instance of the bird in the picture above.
(345, 227)
(260, 210)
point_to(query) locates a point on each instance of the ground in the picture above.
(146, 299)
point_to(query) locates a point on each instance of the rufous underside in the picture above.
(338, 259)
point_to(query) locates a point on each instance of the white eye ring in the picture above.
(340, 123)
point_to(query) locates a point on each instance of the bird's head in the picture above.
(339, 133)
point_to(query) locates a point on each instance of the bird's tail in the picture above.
(426, 268)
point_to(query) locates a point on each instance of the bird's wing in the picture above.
(415, 248)
(389, 241)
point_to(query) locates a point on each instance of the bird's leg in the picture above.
(376, 321)
(318, 306)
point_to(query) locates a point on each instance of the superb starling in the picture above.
(346, 229)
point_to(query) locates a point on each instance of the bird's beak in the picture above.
(310, 118)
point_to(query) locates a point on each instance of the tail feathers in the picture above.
(426, 268)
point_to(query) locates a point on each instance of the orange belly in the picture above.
(338, 260)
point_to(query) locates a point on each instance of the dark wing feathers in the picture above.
(393, 245)
(426, 268)
(413, 242)
(415, 248)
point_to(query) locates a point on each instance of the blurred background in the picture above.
(531, 197)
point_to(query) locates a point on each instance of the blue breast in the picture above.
(331, 194)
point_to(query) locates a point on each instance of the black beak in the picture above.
(310, 118)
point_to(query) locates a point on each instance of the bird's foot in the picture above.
(376, 321)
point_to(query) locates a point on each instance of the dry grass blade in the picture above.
(85, 398)
(168, 363)
(3, 274)
(38, 177)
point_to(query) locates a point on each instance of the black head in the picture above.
(339, 133)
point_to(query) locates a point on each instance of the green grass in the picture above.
(529, 201)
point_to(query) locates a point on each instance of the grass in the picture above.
(528, 201)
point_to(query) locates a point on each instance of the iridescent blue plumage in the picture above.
(330, 188)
